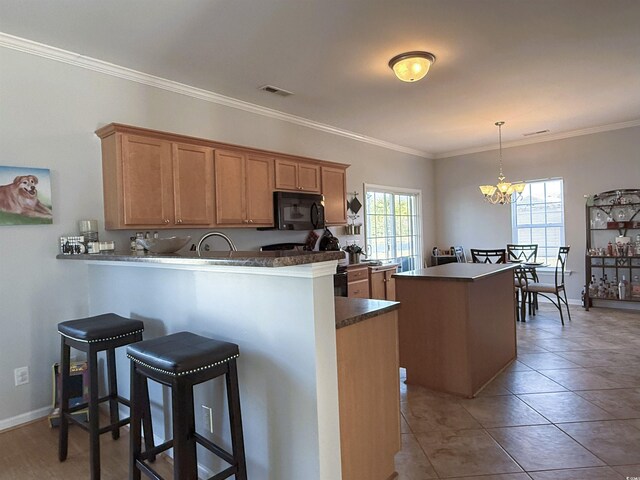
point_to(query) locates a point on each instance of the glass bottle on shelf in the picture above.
(622, 289)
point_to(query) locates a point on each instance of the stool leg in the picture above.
(113, 392)
(185, 464)
(147, 423)
(94, 420)
(235, 420)
(63, 372)
(136, 413)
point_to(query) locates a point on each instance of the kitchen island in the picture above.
(456, 325)
(279, 308)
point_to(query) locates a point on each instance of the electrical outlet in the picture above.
(21, 375)
(207, 418)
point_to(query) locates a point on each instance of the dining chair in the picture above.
(550, 290)
(522, 253)
(488, 256)
(521, 278)
(525, 253)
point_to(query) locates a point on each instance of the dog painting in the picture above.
(25, 196)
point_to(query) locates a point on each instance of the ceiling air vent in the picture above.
(275, 90)
(539, 132)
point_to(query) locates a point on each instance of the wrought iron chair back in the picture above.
(488, 256)
(522, 253)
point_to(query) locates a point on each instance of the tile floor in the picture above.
(568, 408)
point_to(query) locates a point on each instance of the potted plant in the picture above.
(354, 252)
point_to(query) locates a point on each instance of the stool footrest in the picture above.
(114, 426)
(152, 452)
(209, 445)
(224, 474)
(147, 470)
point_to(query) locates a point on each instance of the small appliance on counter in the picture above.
(328, 242)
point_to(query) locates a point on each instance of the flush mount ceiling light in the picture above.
(502, 193)
(412, 66)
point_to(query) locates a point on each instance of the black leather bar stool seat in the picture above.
(180, 361)
(92, 335)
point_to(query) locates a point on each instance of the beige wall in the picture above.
(49, 113)
(588, 164)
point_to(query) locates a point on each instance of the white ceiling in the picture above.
(562, 65)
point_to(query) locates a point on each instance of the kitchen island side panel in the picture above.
(456, 335)
(285, 328)
(433, 330)
(492, 328)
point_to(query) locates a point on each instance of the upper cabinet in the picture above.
(243, 189)
(294, 175)
(160, 180)
(192, 184)
(334, 187)
(150, 182)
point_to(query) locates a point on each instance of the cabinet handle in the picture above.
(166, 220)
(250, 221)
(300, 188)
(179, 221)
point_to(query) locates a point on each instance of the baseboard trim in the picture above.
(19, 420)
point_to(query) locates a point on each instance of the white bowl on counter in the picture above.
(163, 245)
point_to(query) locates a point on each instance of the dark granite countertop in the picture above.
(354, 310)
(280, 258)
(457, 272)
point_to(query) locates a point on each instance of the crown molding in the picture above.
(541, 139)
(78, 60)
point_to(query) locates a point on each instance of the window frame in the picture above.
(418, 234)
(551, 260)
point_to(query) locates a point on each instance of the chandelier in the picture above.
(502, 193)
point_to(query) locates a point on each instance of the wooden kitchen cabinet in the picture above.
(155, 179)
(357, 281)
(334, 188)
(382, 285)
(192, 184)
(293, 175)
(150, 182)
(243, 189)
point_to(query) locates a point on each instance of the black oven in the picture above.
(340, 282)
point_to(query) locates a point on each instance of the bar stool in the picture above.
(92, 335)
(180, 361)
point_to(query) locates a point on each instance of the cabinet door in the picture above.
(147, 181)
(377, 285)
(334, 186)
(286, 175)
(193, 184)
(259, 190)
(309, 177)
(390, 284)
(229, 180)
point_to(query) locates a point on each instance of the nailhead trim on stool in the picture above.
(173, 374)
(101, 339)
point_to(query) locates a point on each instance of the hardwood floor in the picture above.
(30, 452)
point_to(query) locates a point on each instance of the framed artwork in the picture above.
(25, 196)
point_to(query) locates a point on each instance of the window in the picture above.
(393, 225)
(538, 217)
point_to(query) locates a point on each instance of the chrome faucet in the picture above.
(215, 234)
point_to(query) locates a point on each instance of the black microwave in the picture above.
(298, 211)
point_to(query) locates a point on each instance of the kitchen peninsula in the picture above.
(456, 325)
(280, 309)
